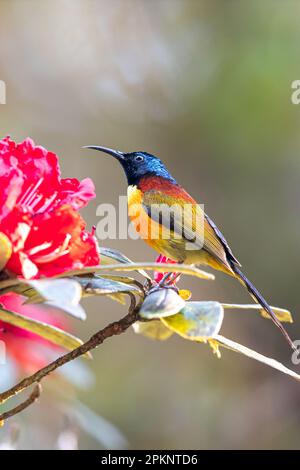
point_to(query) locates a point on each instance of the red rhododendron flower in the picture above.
(158, 276)
(29, 351)
(38, 213)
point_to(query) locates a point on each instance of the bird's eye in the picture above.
(139, 158)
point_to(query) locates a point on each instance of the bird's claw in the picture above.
(159, 287)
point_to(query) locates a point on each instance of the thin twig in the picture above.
(25, 404)
(115, 328)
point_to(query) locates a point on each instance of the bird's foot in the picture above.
(160, 286)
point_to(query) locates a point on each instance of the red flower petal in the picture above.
(38, 215)
(77, 193)
(30, 176)
(30, 351)
(71, 246)
(158, 276)
(38, 212)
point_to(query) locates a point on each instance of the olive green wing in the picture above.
(186, 220)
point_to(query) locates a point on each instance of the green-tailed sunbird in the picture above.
(185, 233)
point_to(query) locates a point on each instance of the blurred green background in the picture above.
(206, 85)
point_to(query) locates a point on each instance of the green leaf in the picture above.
(101, 286)
(197, 320)
(153, 329)
(125, 279)
(182, 268)
(114, 289)
(120, 298)
(161, 303)
(64, 294)
(282, 314)
(65, 290)
(229, 344)
(76, 311)
(49, 332)
(12, 285)
(108, 254)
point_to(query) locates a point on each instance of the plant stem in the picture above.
(113, 329)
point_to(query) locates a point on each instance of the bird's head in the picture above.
(137, 165)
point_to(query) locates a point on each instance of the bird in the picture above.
(182, 231)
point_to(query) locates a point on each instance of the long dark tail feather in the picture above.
(259, 299)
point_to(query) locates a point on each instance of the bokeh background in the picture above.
(206, 85)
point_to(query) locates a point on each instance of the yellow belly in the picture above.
(163, 240)
(150, 231)
(156, 235)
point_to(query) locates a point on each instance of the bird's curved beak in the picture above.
(115, 153)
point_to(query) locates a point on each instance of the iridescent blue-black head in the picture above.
(137, 165)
